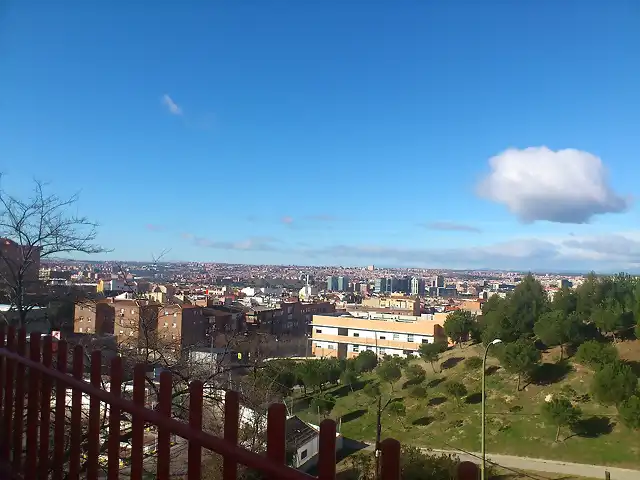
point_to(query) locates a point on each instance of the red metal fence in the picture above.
(40, 452)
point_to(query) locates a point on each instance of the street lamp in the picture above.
(484, 369)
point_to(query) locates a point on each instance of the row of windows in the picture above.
(396, 336)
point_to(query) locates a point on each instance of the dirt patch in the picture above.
(629, 350)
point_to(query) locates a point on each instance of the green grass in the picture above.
(514, 426)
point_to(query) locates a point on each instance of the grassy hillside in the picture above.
(514, 423)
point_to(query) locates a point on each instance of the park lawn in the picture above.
(514, 423)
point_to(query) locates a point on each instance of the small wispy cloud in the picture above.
(452, 227)
(154, 228)
(186, 235)
(287, 220)
(252, 243)
(173, 107)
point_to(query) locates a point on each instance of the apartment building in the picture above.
(297, 316)
(137, 322)
(411, 305)
(345, 335)
(13, 258)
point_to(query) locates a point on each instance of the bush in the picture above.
(596, 354)
(614, 384)
(629, 412)
(366, 361)
(415, 373)
(397, 408)
(473, 363)
(456, 390)
(418, 391)
(371, 390)
(323, 403)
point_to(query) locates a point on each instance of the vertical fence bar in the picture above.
(276, 448)
(164, 441)
(8, 396)
(45, 409)
(3, 332)
(113, 443)
(390, 468)
(18, 415)
(137, 423)
(31, 466)
(231, 425)
(327, 451)
(76, 415)
(93, 447)
(194, 453)
(59, 435)
(468, 471)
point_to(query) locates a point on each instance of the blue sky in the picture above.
(333, 132)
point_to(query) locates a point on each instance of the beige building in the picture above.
(410, 304)
(345, 335)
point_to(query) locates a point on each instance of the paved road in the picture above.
(543, 465)
(552, 466)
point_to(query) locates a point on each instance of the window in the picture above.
(133, 311)
(303, 454)
(396, 336)
(175, 315)
(80, 329)
(166, 312)
(356, 348)
(381, 351)
(318, 330)
(174, 325)
(356, 334)
(424, 340)
(166, 324)
(382, 337)
(331, 346)
(122, 310)
(409, 338)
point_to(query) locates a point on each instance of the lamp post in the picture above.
(484, 369)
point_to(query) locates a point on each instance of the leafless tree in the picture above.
(143, 340)
(42, 226)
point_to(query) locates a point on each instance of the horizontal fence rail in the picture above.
(62, 441)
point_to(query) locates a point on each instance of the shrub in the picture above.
(418, 391)
(596, 354)
(473, 363)
(629, 412)
(366, 361)
(415, 373)
(323, 403)
(456, 390)
(614, 384)
(397, 408)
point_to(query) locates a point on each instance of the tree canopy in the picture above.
(520, 357)
(561, 413)
(458, 325)
(430, 352)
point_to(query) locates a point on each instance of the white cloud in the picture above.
(564, 186)
(172, 106)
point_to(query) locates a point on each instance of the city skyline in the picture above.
(437, 135)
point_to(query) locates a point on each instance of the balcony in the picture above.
(41, 437)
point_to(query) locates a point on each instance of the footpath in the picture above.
(549, 466)
(542, 465)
